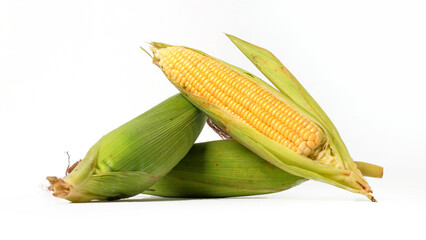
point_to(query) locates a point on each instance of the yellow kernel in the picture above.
(298, 141)
(252, 120)
(287, 133)
(290, 136)
(286, 142)
(262, 127)
(302, 145)
(310, 144)
(294, 138)
(311, 136)
(317, 139)
(291, 124)
(274, 122)
(287, 121)
(302, 132)
(280, 127)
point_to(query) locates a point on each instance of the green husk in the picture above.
(347, 176)
(225, 168)
(131, 158)
(222, 168)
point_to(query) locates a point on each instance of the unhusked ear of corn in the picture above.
(225, 168)
(222, 168)
(131, 158)
(286, 127)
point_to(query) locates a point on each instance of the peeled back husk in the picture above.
(131, 158)
(225, 168)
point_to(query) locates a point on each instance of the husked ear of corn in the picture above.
(286, 127)
(131, 158)
(225, 168)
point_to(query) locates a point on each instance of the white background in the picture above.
(71, 71)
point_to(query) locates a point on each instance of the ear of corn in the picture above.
(131, 158)
(274, 125)
(222, 169)
(227, 169)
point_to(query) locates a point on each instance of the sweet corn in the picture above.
(225, 168)
(286, 127)
(243, 98)
(131, 158)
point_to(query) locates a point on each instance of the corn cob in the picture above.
(227, 169)
(286, 127)
(131, 158)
